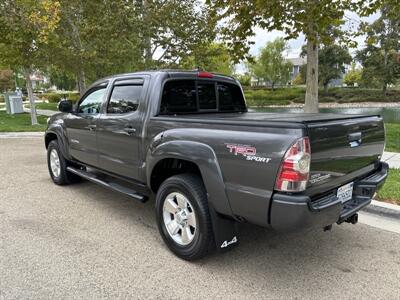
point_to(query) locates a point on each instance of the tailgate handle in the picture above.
(355, 139)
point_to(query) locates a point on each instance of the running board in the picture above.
(108, 184)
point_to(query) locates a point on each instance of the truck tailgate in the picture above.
(342, 150)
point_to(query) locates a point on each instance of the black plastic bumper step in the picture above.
(108, 184)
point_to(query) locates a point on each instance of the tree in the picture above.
(99, 38)
(213, 57)
(313, 18)
(61, 79)
(6, 79)
(270, 65)
(25, 27)
(332, 61)
(95, 39)
(298, 80)
(353, 76)
(380, 57)
(171, 30)
(244, 79)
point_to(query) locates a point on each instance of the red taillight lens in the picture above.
(295, 169)
(203, 74)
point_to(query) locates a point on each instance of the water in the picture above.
(389, 114)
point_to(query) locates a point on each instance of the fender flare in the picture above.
(204, 157)
(61, 138)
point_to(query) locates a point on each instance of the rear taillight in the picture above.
(295, 169)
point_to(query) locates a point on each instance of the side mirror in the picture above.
(65, 106)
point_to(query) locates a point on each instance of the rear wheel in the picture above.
(183, 217)
(57, 165)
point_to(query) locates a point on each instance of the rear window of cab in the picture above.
(194, 96)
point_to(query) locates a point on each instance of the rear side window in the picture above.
(191, 96)
(124, 99)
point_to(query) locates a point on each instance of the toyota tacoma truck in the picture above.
(187, 140)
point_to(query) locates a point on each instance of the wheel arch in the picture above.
(50, 136)
(55, 134)
(196, 157)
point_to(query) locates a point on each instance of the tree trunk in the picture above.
(311, 101)
(384, 87)
(30, 96)
(81, 81)
(148, 55)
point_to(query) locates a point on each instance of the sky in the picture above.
(262, 37)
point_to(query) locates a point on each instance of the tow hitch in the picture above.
(352, 219)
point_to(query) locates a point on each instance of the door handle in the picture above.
(91, 127)
(356, 136)
(130, 130)
(355, 139)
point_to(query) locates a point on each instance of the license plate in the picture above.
(345, 192)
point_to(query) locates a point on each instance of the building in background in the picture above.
(38, 80)
(297, 62)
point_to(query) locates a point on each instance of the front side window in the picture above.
(91, 104)
(124, 99)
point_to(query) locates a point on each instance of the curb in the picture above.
(15, 135)
(383, 209)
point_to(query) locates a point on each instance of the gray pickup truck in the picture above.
(187, 139)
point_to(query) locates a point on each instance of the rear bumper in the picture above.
(290, 212)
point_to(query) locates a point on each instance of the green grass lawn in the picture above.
(392, 137)
(44, 105)
(390, 192)
(20, 122)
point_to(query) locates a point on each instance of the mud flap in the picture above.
(225, 231)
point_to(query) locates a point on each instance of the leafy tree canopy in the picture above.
(6, 79)
(313, 18)
(270, 65)
(380, 58)
(25, 27)
(353, 76)
(213, 57)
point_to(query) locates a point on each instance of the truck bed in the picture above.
(343, 146)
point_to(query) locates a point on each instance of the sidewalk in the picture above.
(43, 112)
(392, 158)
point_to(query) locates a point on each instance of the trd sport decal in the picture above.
(247, 151)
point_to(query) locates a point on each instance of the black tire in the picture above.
(64, 177)
(191, 186)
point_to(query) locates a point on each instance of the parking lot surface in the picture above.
(85, 242)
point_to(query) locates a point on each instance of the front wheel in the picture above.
(183, 217)
(57, 165)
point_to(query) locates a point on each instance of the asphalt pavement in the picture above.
(85, 242)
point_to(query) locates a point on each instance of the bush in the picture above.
(54, 97)
(280, 96)
(74, 97)
(2, 99)
(257, 96)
